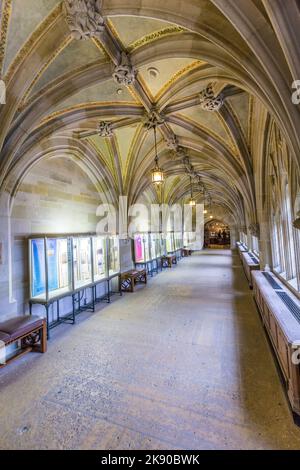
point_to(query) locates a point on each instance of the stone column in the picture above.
(8, 305)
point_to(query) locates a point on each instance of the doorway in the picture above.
(216, 235)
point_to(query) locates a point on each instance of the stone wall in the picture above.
(55, 197)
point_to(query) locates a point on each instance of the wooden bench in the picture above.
(186, 252)
(168, 261)
(279, 309)
(31, 330)
(129, 279)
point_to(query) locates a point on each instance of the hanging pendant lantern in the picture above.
(157, 173)
(192, 201)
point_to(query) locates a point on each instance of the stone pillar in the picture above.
(265, 243)
(234, 237)
(8, 305)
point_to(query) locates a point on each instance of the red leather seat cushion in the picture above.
(19, 326)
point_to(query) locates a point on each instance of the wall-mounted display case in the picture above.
(170, 245)
(141, 248)
(50, 266)
(114, 267)
(188, 239)
(100, 262)
(178, 240)
(82, 261)
(162, 242)
(154, 246)
(60, 265)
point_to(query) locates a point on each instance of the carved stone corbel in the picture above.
(124, 73)
(172, 143)
(208, 100)
(181, 153)
(188, 166)
(105, 129)
(84, 18)
(254, 230)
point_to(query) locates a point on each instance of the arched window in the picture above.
(284, 238)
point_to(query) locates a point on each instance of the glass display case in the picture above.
(178, 240)
(61, 265)
(162, 241)
(170, 246)
(154, 246)
(159, 250)
(141, 247)
(100, 264)
(113, 256)
(188, 239)
(82, 261)
(50, 267)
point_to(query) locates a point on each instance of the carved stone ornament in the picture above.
(153, 119)
(208, 100)
(84, 18)
(254, 230)
(296, 222)
(181, 153)
(172, 143)
(124, 73)
(188, 166)
(105, 129)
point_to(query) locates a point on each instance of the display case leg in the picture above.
(47, 319)
(108, 292)
(57, 309)
(150, 269)
(30, 308)
(93, 299)
(119, 283)
(73, 305)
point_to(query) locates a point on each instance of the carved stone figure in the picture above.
(84, 18)
(124, 73)
(208, 100)
(188, 166)
(172, 143)
(181, 153)
(105, 129)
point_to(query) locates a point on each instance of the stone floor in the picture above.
(181, 364)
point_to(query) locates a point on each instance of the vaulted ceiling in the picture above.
(59, 88)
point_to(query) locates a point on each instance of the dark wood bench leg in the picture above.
(43, 333)
(132, 283)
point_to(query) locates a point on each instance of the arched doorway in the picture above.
(216, 234)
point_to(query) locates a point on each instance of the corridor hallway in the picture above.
(181, 364)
